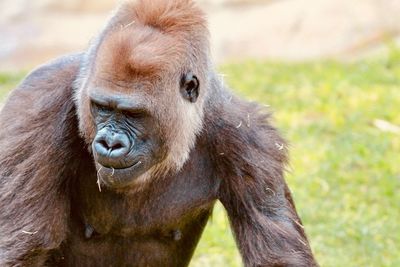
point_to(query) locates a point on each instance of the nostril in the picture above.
(103, 143)
(112, 149)
(111, 146)
(117, 146)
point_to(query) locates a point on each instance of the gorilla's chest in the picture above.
(133, 243)
(162, 236)
(159, 226)
(150, 213)
(165, 206)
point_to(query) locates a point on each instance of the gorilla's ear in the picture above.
(190, 87)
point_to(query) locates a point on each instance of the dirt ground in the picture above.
(32, 32)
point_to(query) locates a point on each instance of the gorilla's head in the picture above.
(142, 91)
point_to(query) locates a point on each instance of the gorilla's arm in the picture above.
(250, 159)
(37, 138)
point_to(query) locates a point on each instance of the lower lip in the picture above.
(118, 177)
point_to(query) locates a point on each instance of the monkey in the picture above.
(115, 156)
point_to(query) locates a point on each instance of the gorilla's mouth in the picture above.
(135, 164)
(119, 177)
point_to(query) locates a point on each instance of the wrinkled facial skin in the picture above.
(133, 131)
(125, 145)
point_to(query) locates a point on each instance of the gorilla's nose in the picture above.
(111, 147)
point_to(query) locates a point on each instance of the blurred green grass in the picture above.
(8, 81)
(344, 173)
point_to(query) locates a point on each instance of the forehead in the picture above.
(138, 51)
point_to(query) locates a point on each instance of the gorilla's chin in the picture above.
(119, 178)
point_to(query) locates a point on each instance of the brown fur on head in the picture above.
(141, 56)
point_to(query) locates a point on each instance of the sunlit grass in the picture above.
(345, 172)
(7, 82)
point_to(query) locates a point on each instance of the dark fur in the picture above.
(52, 213)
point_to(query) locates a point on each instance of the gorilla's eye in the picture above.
(97, 107)
(190, 87)
(135, 113)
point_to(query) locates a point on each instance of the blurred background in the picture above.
(329, 70)
(34, 31)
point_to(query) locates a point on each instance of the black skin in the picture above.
(126, 143)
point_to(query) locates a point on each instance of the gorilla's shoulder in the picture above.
(59, 71)
(45, 92)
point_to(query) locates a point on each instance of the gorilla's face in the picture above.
(140, 105)
(127, 142)
(143, 132)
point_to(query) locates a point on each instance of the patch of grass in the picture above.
(345, 173)
(7, 82)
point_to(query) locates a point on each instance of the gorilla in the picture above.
(115, 156)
